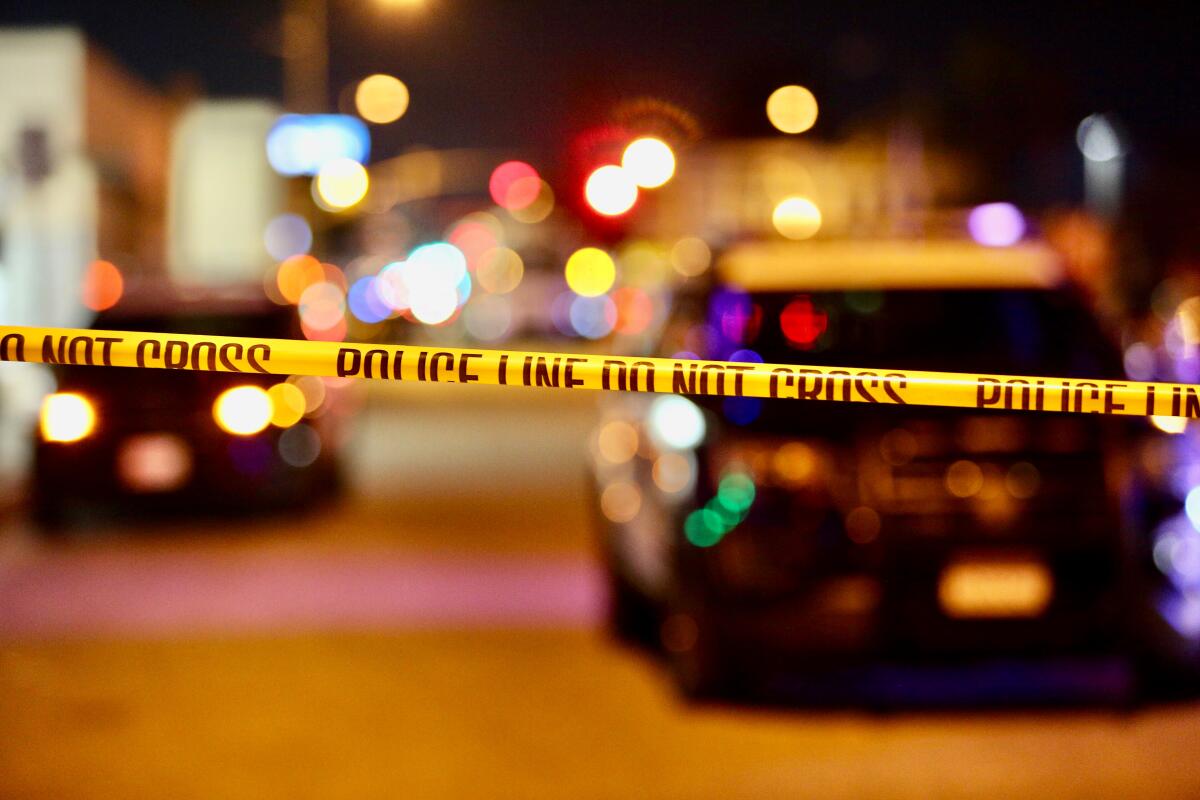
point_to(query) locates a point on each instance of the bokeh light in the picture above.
(500, 270)
(288, 404)
(102, 285)
(366, 302)
(649, 161)
(340, 184)
(610, 191)
(299, 446)
(514, 185)
(243, 410)
(593, 317)
(538, 209)
(590, 271)
(621, 501)
(381, 98)
(676, 423)
(66, 417)
(690, 256)
(802, 323)
(474, 235)
(1098, 139)
(322, 306)
(434, 303)
(673, 472)
(296, 274)
(489, 318)
(287, 235)
(964, 478)
(635, 310)
(797, 218)
(792, 109)
(617, 442)
(996, 224)
(300, 144)
(643, 263)
(313, 389)
(1171, 425)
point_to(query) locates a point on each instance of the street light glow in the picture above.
(381, 99)
(611, 191)
(649, 161)
(792, 109)
(797, 218)
(340, 184)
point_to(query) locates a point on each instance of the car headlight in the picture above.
(243, 410)
(67, 417)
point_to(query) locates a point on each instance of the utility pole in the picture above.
(306, 55)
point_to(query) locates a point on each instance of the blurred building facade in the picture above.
(83, 176)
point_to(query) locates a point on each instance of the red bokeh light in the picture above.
(102, 285)
(802, 322)
(514, 185)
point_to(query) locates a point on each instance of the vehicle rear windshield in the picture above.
(1022, 331)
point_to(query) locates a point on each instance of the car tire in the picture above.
(633, 618)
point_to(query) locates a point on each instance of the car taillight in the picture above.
(67, 417)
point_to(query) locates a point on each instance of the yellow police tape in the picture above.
(603, 372)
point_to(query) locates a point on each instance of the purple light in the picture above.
(996, 224)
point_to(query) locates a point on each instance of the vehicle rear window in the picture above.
(1025, 331)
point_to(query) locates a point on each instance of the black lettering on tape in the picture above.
(832, 384)
(16, 342)
(1110, 403)
(73, 350)
(106, 343)
(1093, 394)
(681, 383)
(198, 351)
(464, 368)
(382, 358)
(802, 390)
(151, 345)
(705, 369)
(896, 380)
(993, 394)
(265, 349)
(175, 354)
(737, 377)
(52, 354)
(226, 359)
(622, 375)
(860, 385)
(569, 379)
(348, 361)
(775, 374)
(1192, 405)
(545, 372)
(447, 359)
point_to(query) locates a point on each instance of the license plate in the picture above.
(154, 462)
(995, 587)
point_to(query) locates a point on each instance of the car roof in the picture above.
(887, 264)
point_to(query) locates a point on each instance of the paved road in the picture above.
(436, 636)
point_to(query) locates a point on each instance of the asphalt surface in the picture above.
(438, 634)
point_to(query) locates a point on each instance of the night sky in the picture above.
(1005, 83)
